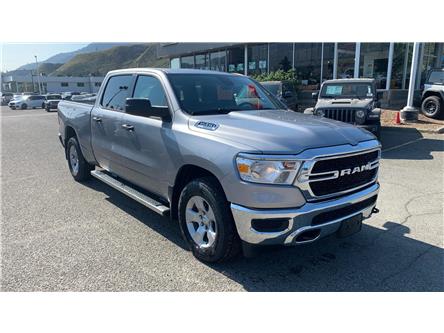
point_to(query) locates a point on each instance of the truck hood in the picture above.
(353, 103)
(279, 131)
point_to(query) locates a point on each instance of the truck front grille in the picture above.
(344, 115)
(346, 173)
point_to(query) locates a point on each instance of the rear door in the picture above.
(106, 130)
(146, 145)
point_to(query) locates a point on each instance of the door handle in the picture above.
(97, 119)
(128, 127)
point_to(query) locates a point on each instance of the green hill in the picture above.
(48, 68)
(101, 62)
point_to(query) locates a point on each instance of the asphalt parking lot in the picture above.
(59, 235)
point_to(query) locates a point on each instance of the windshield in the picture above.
(272, 87)
(54, 97)
(356, 89)
(215, 93)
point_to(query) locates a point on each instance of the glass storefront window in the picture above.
(175, 63)
(202, 61)
(431, 59)
(281, 56)
(373, 62)
(236, 60)
(308, 65)
(218, 61)
(328, 61)
(346, 60)
(257, 59)
(402, 62)
(187, 62)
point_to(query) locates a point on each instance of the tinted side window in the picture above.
(151, 88)
(436, 77)
(116, 92)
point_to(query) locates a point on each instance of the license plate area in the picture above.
(350, 226)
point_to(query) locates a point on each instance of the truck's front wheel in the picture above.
(206, 222)
(80, 169)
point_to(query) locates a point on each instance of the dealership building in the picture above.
(388, 63)
(28, 81)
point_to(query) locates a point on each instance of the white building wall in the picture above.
(54, 84)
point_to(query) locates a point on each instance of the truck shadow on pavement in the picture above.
(372, 260)
(160, 224)
(375, 259)
(391, 138)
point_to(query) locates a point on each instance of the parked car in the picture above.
(51, 101)
(67, 95)
(354, 101)
(232, 173)
(284, 91)
(6, 98)
(432, 101)
(84, 98)
(27, 101)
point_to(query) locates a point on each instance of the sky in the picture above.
(14, 55)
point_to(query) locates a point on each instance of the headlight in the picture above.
(360, 116)
(320, 113)
(267, 171)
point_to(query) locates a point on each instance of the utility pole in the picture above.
(38, 76)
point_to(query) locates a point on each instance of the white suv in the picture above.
(28, 101)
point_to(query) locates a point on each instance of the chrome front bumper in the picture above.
(300, 219)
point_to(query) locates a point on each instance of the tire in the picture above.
(24, 106)
(431, 107)
(47, 109)
(220, 241)
(79, 168)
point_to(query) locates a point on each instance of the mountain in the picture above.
(99, 63)
(64, 57)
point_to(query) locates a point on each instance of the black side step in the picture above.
(131, 192)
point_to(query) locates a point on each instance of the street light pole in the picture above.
(409, 113)
(38, 76)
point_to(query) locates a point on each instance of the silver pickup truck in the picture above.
(222, 156)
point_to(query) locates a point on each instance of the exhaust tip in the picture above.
(307, 236)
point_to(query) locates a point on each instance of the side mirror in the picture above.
(142, 107)
(315, 95)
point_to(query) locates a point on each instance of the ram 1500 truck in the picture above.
(222, 156)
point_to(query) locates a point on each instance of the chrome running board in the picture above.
(131, 192)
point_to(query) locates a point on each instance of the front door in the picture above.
(106, 117)
(148, 146)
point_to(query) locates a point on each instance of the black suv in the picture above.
(353, 101)
(284, 91)
(432, 101)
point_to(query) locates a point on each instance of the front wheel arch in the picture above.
(185, 175)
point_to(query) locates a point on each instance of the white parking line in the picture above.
(402, 145)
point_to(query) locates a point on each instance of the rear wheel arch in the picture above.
(69, 133)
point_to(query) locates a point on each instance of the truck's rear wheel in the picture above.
(79, 168)
(431, 107)
(206, 222)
